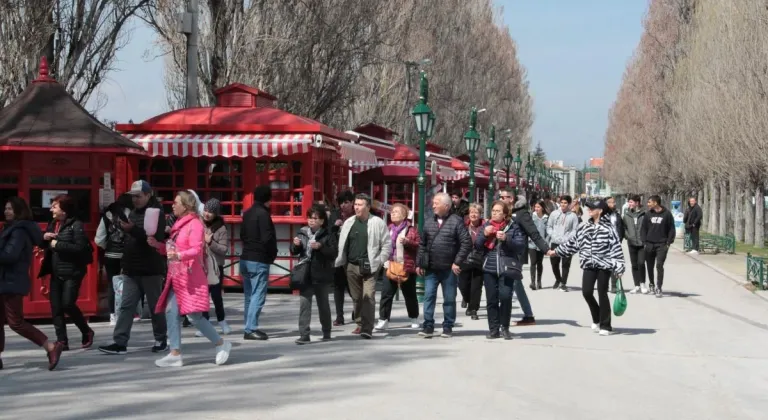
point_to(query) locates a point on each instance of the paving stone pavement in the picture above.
(697, 353)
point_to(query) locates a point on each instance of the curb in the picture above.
(736, 279)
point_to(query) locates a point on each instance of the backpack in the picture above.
(115, 234)
(518, 237)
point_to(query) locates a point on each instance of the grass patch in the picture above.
(742, 248)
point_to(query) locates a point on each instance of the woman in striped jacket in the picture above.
(600, 255)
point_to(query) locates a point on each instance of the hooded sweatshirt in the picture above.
(659, 227)
(561, 226)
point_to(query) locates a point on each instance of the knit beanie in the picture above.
(262, 194)
(213, 206)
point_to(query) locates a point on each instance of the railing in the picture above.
(714, 244)
(235, 259)
(756, 271)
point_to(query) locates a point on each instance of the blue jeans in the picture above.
(255, 277)
(174, 324)
(522, 297)
(449, 283)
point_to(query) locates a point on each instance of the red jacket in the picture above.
(410, 247)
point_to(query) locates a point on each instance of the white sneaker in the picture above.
(595, 327)
(415, 324)
(199, 334)
(381, 325)
(643, 289)
(222, 352)
(693, 252)
(170, 361)
(225, 328)
(635, 290)
(605, 332)
(112, 320)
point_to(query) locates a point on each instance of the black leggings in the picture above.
(601, 313)
(536, 259)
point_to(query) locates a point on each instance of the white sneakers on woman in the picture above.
(171, 360)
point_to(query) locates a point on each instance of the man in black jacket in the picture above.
(143, 270)
(345, 201)
(444, 246)
(257, 232)
(633, 231)
(460, 206)
(692, 221)
(659, 228)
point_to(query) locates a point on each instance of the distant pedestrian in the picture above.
(561, 226)
(535, 255)
(111, 238)
(17, 241)
(345, 201)
(659, 226)
(634, 231)
(692, 221)
(600, 256)
(460, 206)
(618, 225)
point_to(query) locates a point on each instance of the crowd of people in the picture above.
(177, 266)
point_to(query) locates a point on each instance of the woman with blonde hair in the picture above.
(471, 277)
(186, 285)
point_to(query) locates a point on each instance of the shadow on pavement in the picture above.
(634, 331)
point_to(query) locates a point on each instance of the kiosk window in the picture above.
(39, 201)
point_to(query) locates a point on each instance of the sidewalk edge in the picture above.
(734, 278)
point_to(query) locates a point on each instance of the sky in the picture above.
(575, 52)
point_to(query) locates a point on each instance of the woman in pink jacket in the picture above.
(186, 285)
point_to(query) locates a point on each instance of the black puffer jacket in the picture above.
(522, 215)
(139, 258)
(322, 267)
(72, 253)
(16, 244)
(441, 247)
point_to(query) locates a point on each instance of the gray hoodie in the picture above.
(561, 226)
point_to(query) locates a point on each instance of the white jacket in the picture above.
(379, 242)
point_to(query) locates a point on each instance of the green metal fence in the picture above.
(713, 244)
(756, 271)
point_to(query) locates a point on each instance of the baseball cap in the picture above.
(594, 204)
(140, 186)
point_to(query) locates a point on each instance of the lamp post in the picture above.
(472, 141)
(425, 125)
(492, 151)
(518, 164)
(508, 160)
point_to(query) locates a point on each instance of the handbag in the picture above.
(300, 274)
(510, 266)
(620, 301)
(474, 260)
(396, 272)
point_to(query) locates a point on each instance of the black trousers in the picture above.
(409, 295)
(555, 260)
(694, 232)
(471, 288)
(656, 255)
(498, 298)
(64, 291)
(340, 285)
(637, 260)
(601, 313)
(536, 260)
(112, 267)
(216, 297)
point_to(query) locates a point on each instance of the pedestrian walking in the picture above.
(257, 233)
(400, 268)
(319, 244)
(67, 255)
(471, 277)
(634, 231)
(460, 205)
(186, 286)
(217, 241)
(445, 245)
(111, 238)
(344, 211)
(692, 220)
(540, 218)
(502, 242)
(561, 226)
(17, 241)
(659, 226)
(144, 270)
(618, 225)
(364, 247)
(600, 255)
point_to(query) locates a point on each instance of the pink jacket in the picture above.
(188, 280)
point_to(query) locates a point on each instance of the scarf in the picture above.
(490, 241)
(215, 224)
(475, 229)
(394, 232)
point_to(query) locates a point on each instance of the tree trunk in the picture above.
(759, 216)
(738, 214)
(749, 218)
(714, 200)
(705, 196)
(723, 224)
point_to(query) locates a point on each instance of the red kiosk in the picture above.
(51, 145)
(225, 151)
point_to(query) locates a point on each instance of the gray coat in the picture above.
(219, 245)
(633, 227)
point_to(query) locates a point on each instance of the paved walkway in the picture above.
(699, 353)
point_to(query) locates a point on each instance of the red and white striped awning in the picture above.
(224, 145)
(357, 155)
(446, 173)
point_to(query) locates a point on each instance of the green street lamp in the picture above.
(518, 164)
(472, 141)
(508, 158)
(492, 151)
(425, 125)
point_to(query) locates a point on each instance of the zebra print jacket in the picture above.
(598, 246)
